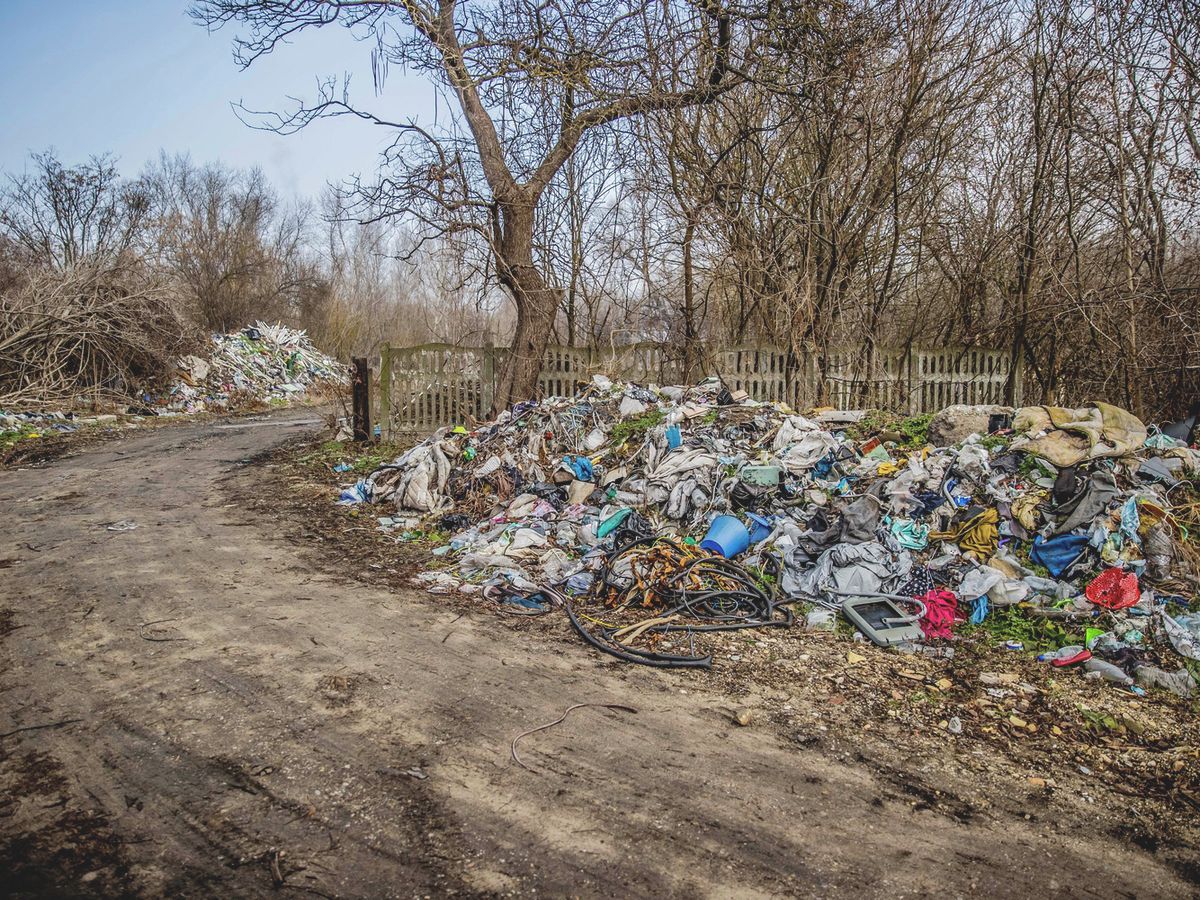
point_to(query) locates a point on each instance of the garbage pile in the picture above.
(263, 363)
(654, 516)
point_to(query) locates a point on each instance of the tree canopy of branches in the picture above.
(234, 252)
(836, 178)
(57, 217)
(531, 80)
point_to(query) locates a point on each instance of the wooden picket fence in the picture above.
(423, 387)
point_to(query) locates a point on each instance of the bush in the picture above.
(85, 333)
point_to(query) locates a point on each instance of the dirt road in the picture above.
(190, 707)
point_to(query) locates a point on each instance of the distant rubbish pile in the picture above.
(262, 363)
(655, 516)
(259, 365)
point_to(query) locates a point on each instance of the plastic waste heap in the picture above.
(655, 515)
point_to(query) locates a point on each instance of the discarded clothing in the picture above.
(1067, 437)
(909, 534)
(977, 537)
(940, 608)
(1058, 554)
(1090, 499)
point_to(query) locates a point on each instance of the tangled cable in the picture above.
(687, 590)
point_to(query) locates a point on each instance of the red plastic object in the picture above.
(1081, 656)
(1114, 589)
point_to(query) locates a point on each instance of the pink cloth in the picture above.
(940, 609)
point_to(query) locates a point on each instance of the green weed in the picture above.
(1038, 635)
(916, 430)
(630, 428)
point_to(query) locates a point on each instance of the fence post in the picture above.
(385, 391)
(362, 399)
(487, 376)
(1017, 378)
(812, 391)
(911, 393)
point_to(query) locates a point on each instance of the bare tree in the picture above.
(59, 216)
(531, 79)
(236, 253)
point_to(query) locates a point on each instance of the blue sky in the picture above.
(132, 77)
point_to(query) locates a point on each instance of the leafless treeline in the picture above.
(839, 175)
(924, 173)
(104, 278)
(844, 174)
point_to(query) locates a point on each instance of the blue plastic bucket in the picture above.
(727, 536)
(760, 527)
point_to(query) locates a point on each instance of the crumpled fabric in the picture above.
(1189, 457)
(1008, 564)
(1091, 499)
(1058, 553)
(1159, 441)
(417, 480)
(978, 582)
(860, 520)
(1008, 524)
(941, 606)
(977, 537)
(1157, 469)
(1074, 435)
(868, 568)
(1025, 509)
(557, 566)
(682, 480)
(1008, 592)
(809, 544)
(801, 444)
(909, 534)
(686, 497)
(972, 461)
(915, 489)
(516, 543)
(497, 565)
(522, 506)
(680, 461)
(979, 610)
(920, 582)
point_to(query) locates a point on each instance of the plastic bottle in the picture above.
(1107, 671)
(1060, 653)
(1180, 683)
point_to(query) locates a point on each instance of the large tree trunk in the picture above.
(535, 299)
